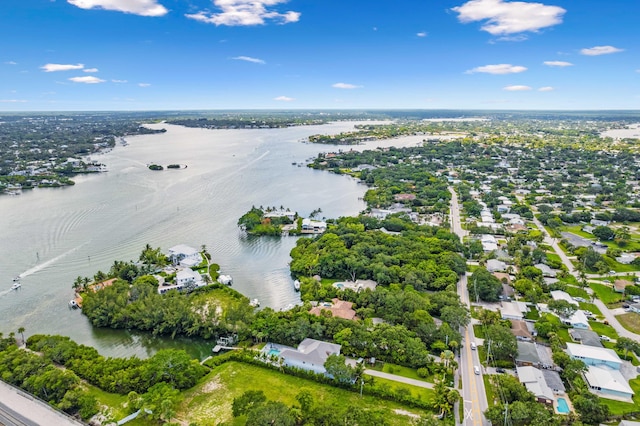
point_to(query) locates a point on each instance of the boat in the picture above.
(16, 285)
(254, 302)
(296, 285)
(73, 304)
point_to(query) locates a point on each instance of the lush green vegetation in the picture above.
(269, 221)
(606, 293)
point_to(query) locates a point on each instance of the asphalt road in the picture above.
(474, 396)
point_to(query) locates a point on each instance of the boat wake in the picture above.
(39, 267)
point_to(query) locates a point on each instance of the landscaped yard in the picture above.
(209, 402)
(630, 321)
(577, 292)
(591, 308)
(606, 293)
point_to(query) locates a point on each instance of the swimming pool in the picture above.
(273, 352)
(563, 407)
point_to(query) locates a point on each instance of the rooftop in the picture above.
(585, 351)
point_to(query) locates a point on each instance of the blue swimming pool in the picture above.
(563, 407)
(274, 352)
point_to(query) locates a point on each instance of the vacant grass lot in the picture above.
(606, 293)
(630, 321)
(577, 292)
(209, 402)
(400, 370)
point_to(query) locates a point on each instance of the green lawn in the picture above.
(603, 329)
(618, 408)
(478, 331)
(619, 267)
(606, 293)
(488, 387)
(533, 313)
(577, 292)
(400, 370)
(630, 321)
(577, 229)
(209, 402)
(585, 306)
(115, 402)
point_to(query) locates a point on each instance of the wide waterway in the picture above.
(50, 236)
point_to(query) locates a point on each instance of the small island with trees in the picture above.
(278, 222)
(158, 167)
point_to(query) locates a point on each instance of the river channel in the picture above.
(50, 236)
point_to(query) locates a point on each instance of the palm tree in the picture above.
(21, 331)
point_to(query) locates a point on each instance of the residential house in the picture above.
(592, 355)
(563, 295)
(338, 308)
(527, 354)
(313, 226)
(554, 381)
(520, 329)
(620, 285)
(546, 270)
(184, 256)
(513, 310)
(489, 242)
(310, 355)
(635, 308)
(495, 265)
(586, 337)
(535, 382)
(577, 320)
(608, 382)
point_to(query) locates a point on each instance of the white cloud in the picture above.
(90, 70)
(61, 67)
(249, 59)
(558, 63)
(12, 101)
(509, 17)
(119, 81)
(136, 7)
(422, 34)
(600, 50)
(11, 63)
(546, 89)
(245, 12)
(144, 84)
(498, 69)
(87, 79)
(345, 86)
(516, 88)
(284, 99)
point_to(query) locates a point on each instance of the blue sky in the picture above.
(309, 54)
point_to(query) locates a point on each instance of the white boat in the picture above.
(16, 285)
(254, 303)
(296, 285)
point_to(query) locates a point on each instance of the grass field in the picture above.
(577, 292)
(488, 386)
(115, 402)
(209, 402)
(591, 308)
(606, 293)
(400, 370)
(604, 329)
(630, 321)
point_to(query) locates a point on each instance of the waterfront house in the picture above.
(310, 355)
(184, 256)
(338, 308)
(313, 226)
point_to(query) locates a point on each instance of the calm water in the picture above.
(50, 236)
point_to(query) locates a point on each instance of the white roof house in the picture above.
(546, 270)
(310, 355)
(513, 310)
(608, 382)
(577, 320)
(563, 295)
(535, 382)
(489, 242)
(592, 355)
(184, 255)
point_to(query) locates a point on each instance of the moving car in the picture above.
(473, 346)
(476, 370)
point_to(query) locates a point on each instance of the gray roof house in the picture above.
(535, 382)
(310, 355)
(527, 354)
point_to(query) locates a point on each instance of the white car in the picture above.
(476, 370)
(605, 338)
(473, 346)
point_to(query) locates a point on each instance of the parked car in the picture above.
(580, 299)
(588, 313)
(625, 305)
(605, 338)
(500, 370)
